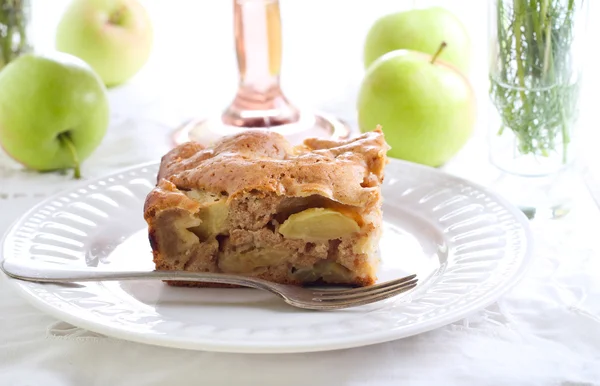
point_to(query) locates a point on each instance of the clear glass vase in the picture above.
(15, 17)
(535, 78)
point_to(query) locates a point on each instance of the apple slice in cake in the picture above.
(254, 205)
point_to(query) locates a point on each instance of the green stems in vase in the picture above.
(534, 79)
(14, 39)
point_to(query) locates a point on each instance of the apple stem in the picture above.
(438, 52)
(66, 140)
(116, 17)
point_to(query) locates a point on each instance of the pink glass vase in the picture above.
(259, 101)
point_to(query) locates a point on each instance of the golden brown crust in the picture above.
(166, 196)
(344, 171)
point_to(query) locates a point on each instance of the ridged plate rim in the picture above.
(213, 339)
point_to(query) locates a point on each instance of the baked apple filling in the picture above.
(253, 260)
(324, 271)
(212, 220)
(318, 224)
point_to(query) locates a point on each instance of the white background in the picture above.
(545, 332)
(192, 70)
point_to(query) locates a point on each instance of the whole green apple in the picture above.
(425, 106)
(115, 37)
(54, 111)
(419, 30)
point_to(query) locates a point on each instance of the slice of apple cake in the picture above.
(252, 204)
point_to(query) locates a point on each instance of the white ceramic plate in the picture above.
(467, 246)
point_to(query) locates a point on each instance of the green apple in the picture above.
(426, 107)
(419, 30)
(115, 37)
(54, 111)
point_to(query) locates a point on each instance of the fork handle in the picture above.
(59, 274)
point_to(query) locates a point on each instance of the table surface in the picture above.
(546, 331)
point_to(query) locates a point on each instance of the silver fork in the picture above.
(312, 299)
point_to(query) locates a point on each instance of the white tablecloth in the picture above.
(546, 331)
